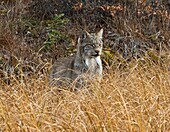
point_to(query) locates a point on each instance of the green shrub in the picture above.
(54, 28)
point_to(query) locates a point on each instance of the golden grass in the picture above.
(134, 99)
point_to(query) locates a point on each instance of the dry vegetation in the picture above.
(136, 99)
(134, 94)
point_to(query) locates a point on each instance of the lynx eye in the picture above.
(93, 45)
(88, 47)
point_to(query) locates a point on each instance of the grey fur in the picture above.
(84, 65)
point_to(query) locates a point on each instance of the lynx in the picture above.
(85, 65)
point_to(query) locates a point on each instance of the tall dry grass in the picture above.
(136, 98)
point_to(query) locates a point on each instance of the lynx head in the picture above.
(90, 44)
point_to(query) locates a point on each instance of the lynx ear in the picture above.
(78, 41)
(78, 46)
(100, 33)
(85, 34)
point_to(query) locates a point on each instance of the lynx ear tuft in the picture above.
(100, 33)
